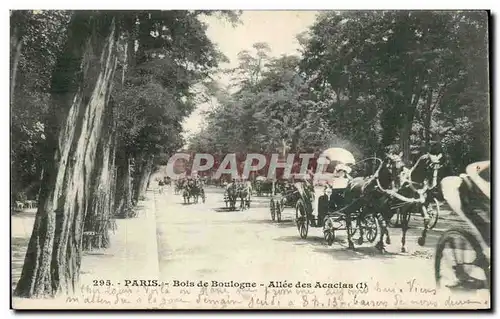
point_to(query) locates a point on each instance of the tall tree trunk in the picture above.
(112, 186)
(136, 176)
(81, 86)
(111, 196)
(405, 140)
(98, 215)
(427, 121)
(294, 147)
(123, 193)
(410, 101)
(17, 45)
(143, 178)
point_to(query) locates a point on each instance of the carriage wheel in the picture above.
(301, 220)
(433, 211)
(272, 207)
(329, 231)
(370, 227)
(467, 266)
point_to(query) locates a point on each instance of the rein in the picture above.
(407, 177)
(392, 193)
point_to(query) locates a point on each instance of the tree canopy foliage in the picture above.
(367, 81)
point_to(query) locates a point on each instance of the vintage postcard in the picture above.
(201, 159)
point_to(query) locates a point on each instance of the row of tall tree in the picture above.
(367, 81)
(95, 97)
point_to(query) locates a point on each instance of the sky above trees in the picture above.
(276, 28)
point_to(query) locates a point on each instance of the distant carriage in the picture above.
(238, 191)
(263, 186)
(193, 190)
(284, 195)
(179, 185)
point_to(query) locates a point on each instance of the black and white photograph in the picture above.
(250, 159)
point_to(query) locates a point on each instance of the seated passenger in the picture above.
(343, 171)
(324, 205)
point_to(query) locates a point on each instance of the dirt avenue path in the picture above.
(204, 242)
(244, 260)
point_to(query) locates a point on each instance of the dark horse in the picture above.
(244, 193)
(418, 182)
(193, 189)
(231, 195)
(179, 186)
(369, 194)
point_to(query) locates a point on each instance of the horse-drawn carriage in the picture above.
(284, 194)
(192, 189)
(238, 190)
(263, 186)
(321, 199)
(179, 185)
(463, 253)
(363, 205)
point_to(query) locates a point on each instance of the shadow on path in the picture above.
(287, 223)
(361, 252)
(313, 240)
(19, 246)
(225, 210)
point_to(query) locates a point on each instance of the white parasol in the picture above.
(336, 154)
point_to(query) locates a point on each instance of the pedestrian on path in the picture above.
(160, 186)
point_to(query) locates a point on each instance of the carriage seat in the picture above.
(329, 203)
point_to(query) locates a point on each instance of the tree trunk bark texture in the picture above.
(427, 121)
(98, 219)
(405, 140)
(81, 87)
(143, 178)
(123, 187)
(17, 45)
